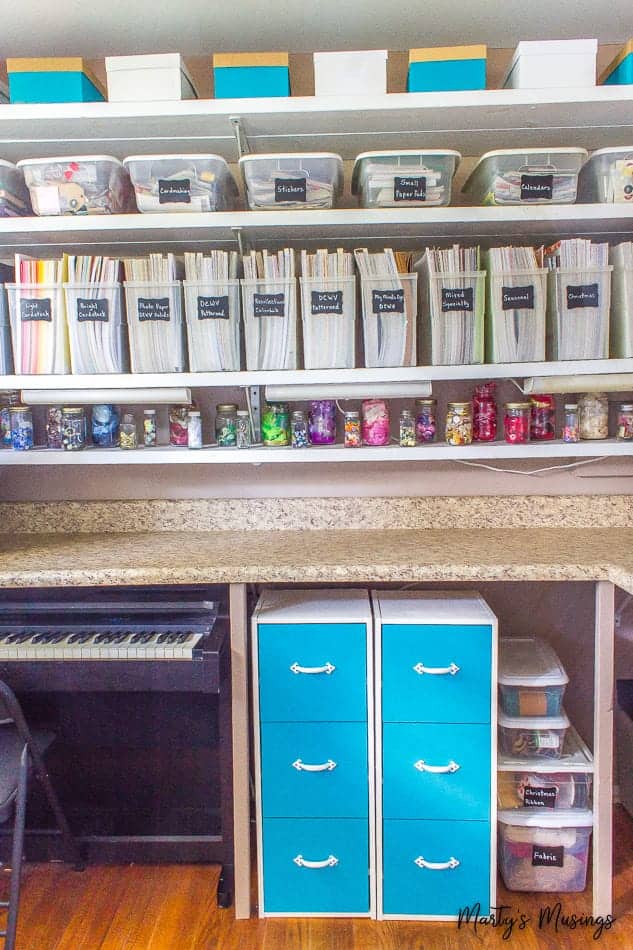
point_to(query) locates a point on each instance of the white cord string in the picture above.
(534, 471)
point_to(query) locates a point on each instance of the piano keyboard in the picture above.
(111, 644)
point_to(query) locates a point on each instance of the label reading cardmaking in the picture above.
(36, 308)
(291, 189)
(213, 308)
(326, 301)
(153, 308)
(583, 295)
(550, 857)
(387, 301)
(457, 299)
(95, 311)
(269, 305)
(409, 188)
(539, 797)
(174, 192)
(517, 298)
(539, 187)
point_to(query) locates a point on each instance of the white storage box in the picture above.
(607, 176)
(531, 678)
(533, 736)
(544, 851)
(158, 77)
(547, 64)
(517, 176)
(403, 179)
(304, 180)
(181, 183)
(547, 783)
(356, 73)
(85, 184)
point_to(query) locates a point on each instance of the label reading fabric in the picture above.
(174, 192)
(269, 305)
(92, 310)
(547, 857)
(36, 308)
(457, 299)
(409, 188)
(326, 301)
(387, 301)
(517, 298)
(539, 797)
(290, 189)
(537, 186)
(583, 295)
(153, 308)
(213, 308)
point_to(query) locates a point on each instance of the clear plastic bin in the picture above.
(269, 309)
(516, 316)
(548, 784)
(621, 323)
(578, 313)
(14, 195)
(181, 183)
(328, 309)
(98, 336)
(390, 316)
(526, 176)
(6, 353)
(608, 176)
(544, 851)
(305, 180)
(212, 311)
(453, 307)
(406, 179)
(87, 184)
(540, 737)
(531, 678)
(155, 326)
(38, 328)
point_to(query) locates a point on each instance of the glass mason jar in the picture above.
(624, 432)
(73, 428)
(484, 413)
(571, 432)
(276, 424)
(128, 438)
(353, 438)
(149, 427)
(178, 422)
(299, 430)
(375, 422)
(21, 419)
(13, 399)
(593, 416)
(542, 418)
(425, 420)
(226, 424)
(516, 422)
(105, 425)
(194, 429)
(459, 423)
(54, 427)
(244, 433)
(407, 429)
(322, 422)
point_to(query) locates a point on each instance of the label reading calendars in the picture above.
(213, 308)
(409, 188)
(539, 797)
(517, 298)
(326, 301)
(36, 308)
(269, 305)
(547, 857)
(457, 299)
(92, 310)
(290, 189)
(387, 301)
(153, 308)
(174, 192)
(583, 295)
(537, 187)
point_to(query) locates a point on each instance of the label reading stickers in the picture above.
(269, 305)
(517, 298)
(387, 301)
(582, 295)
(537, 187)
(547, 857)
(326, 301)
(290, 189)
(457, 299)
(539, 797)
(213, 308)
(174, 192)
(36, 308)
(152, 308)
(409, 188)
(92, 310)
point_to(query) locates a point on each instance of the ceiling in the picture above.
(199, 27)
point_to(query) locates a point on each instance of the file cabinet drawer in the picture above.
(312, 672)
(435, 867)
(316, 866)
(436, 673)
(314, 770)
(436, 771)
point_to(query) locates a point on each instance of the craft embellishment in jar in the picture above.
(127, 433)
(593, 416)
(516, 423)
(54, 427)
(571, 432)
(375, 422)
(425, 424)
(353, 437)
(178, 422)
(194, 429)
(73, 429)
(407, 429)
(624, 431)
(149, 427)
(322, 422)
(542, 418)
(299, 430)
(276, 424)
(484, 413)
(244, 433)
(225, 425)
(459, 423)
(21, 428)
(105, 425)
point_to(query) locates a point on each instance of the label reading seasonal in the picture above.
(457, 299)
(326, 301)
(92, 310)
(410, 188)
(583, 295)
(537, 187)
(517, 298)
(269, 305)
(539, 797)
(174, 192)
(290, 189)
(213, 308)
(387, 301)
(551, 857)
(152, 308)
(36, 308)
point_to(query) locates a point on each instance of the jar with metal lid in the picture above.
(194, 429)
(425, 420)
(542, 418)
(178, 422)
(12, 399)
(322, 422)
(299, 430)
(73, 428)
(353, 438)
(407, 429)
(54, 427)
(21, 428)
(149, 427)
(244, 433)
(571, 432)
(484, 413)
(459, 423)
(593, 416)
(516, 422)
(276, 424)
(375, 422)
(624, 432)
(128, 438)
(105, 425)
(226, 424)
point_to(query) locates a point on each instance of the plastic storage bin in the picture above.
(87, 184)
(98, 337)
(547, 784)
(6, 353)
(578, 313)
(304, 180)
(53, 79)
(533, 736)
(453, 307)
(14, 195)
(181, 183)
(270, 323)
(516, 316)
(543, 850)
(404, 179)
(155, 327)
(212, 311)
(619, 72)
(547, 64)
(607, 176)
(621, 325)
(531, 678)
(517, 176)
(390, 316)
(157, 77)
(250, 75)
(38, 328)
(351, 73)
(446, 68)
(328, 310)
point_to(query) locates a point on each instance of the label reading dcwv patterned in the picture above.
(269, 305)
(550, 857)
(36, 308)
(409, 188)
(152, 308)
(457, 299)
(517, 298)
(537, 187)
(539, 797)
(174, 192)
(387, 301)
(94, 311)
(290, 189)
(213, 308)
(326, 301)
(582, 295)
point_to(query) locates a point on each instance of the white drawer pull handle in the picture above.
(422, 766)
(328, 668)
(329, 862)
(436, 670)
(437, 866)
(304, 767)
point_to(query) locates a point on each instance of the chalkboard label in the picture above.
(387, 301)
(213, 308)
(153, 308)
(537, 186)
(269, 305)
(36, 308)
(95, 311)
(457, 299)
(547, 857)
(327, 301)
(290, 189)
(409, 188)
(517, 298)
(583, 295)
(174, 192)
(539, 797)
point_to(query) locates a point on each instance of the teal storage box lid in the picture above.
(65, 79)
(251, 75)
(619, 72)
(447, 68)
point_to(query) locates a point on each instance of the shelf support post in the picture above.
(254, 402)
(243, 148)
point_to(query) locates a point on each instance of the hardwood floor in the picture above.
(173, 908)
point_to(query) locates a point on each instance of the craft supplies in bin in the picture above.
(452, 294)
(517, 176)
(38, 319)
(548, 784)
(579, 298)
(533, 736)
(607, 177)
(517, 304)
(404, 179)
(619, 72)
(98, 337)
(531, 678)
(551, 64)
(328, 309)
(212, 311)
(270, 323)
(86, 184)
(250, 75)
(389, 300)
(156, 77)
(14, 195)
(181, 183)
(53, 79)
(621, 330)
(446, 68)
(155, 326)
(304, 180)
(350, 73)
(543, 850)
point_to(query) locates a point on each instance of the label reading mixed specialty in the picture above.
(152, 308)
(174, 192)
(92, 310)
(457, 299)
(539, 797)
(547, 857)
(213, 308)
(537, 187)
(517, 298)
(326, 301)
(387, 301)
(269, 305)
(291, 189)
(36, 308)
(582, 295)
(409, 188)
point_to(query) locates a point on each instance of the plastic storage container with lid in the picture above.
(541, 850)
(14, 196)
(302, 180)
(86, 184)
(547, 783)
(532, 680)
(517, 176)
(533, 736)
(181, 183)
(607, 176)
(407, 178)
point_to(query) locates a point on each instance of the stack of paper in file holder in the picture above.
(453, 301)
(579, 300)
(517, 302)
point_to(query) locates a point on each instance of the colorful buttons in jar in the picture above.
(299, 430)
(178, 425)
(425, 420)
(375, 422)
(571, 431)
(73, 428)
(542, 418)
(322, 422)
(21, 421)
(226, 424)
(484, 413)
(54, 427)
(624, 431)
(407, 429)
(149, 427)
(516, 422)
(459, 423)
(593, 416)
(105, 425)
(128, 438)
(353, 438)
(276, 424)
